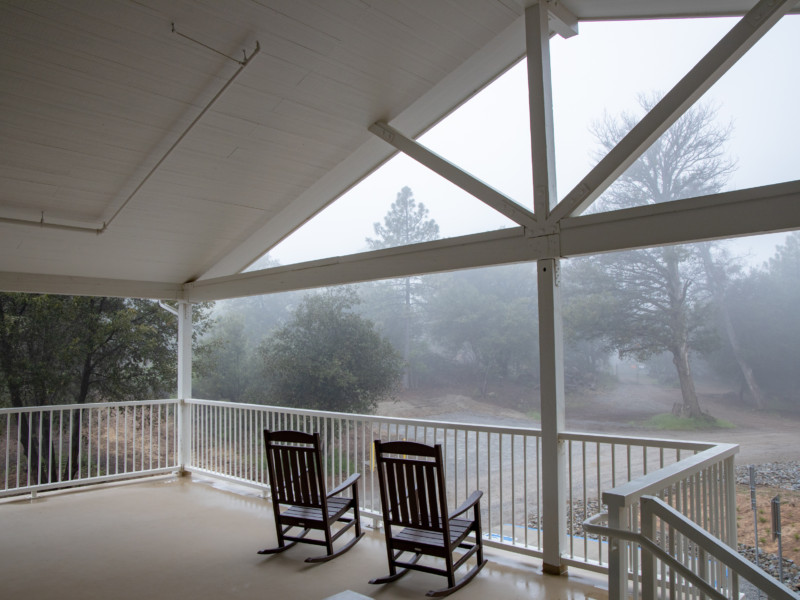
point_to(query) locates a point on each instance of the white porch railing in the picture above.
(49, 447)
(504, 462)
(63, 446)
(597, 463)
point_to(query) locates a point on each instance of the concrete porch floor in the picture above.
(175, 538)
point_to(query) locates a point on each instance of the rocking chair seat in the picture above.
(431, 542)
(299, 516)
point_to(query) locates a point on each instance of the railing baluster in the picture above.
(19, 446)
(526, 518)
(8, 449)
(513, 491)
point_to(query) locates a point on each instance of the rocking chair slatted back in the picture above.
(297, 470)
(415, 493)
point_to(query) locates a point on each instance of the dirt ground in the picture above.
(763, 436)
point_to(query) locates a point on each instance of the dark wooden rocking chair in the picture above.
(297, 480)
(413, 498)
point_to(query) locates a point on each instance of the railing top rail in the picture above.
(629, 440)
(626, 494)
(527, 431)
(59, 407)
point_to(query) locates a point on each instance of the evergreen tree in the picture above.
(406, 223)
(329, 358)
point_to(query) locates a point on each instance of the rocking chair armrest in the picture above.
(350, 481)
(468, 503)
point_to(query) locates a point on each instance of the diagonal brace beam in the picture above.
(562, 21)
(453, 174)
(694, 84)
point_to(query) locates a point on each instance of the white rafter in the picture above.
(697, 81)
(480, 190)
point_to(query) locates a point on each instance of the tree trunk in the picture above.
(717, 285)
(678, 290)
(691, 406)
(75, 432)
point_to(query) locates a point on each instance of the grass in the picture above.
(670, 422)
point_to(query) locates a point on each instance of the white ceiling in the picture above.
(111, 135)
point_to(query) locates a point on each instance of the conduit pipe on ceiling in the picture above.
(101, 228)
(96, 229)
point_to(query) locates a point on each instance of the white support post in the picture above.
(617, 551)
(551, 376)
(184, 383)
(730, 514)
(551, 354)
(649, 562)
(540, 103)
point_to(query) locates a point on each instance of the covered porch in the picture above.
(147, 159)
(221, 441)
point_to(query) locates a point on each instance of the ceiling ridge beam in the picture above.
(669, 109)
(455, 175)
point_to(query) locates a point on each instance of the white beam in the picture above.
(765, 209)
(562, 20)
(540, 105)
(88, 286)
(688, 90)
(744, 212)
(455, 175)
(480, 250)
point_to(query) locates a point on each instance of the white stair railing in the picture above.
(680, 559)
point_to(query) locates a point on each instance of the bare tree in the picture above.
(658, 299)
